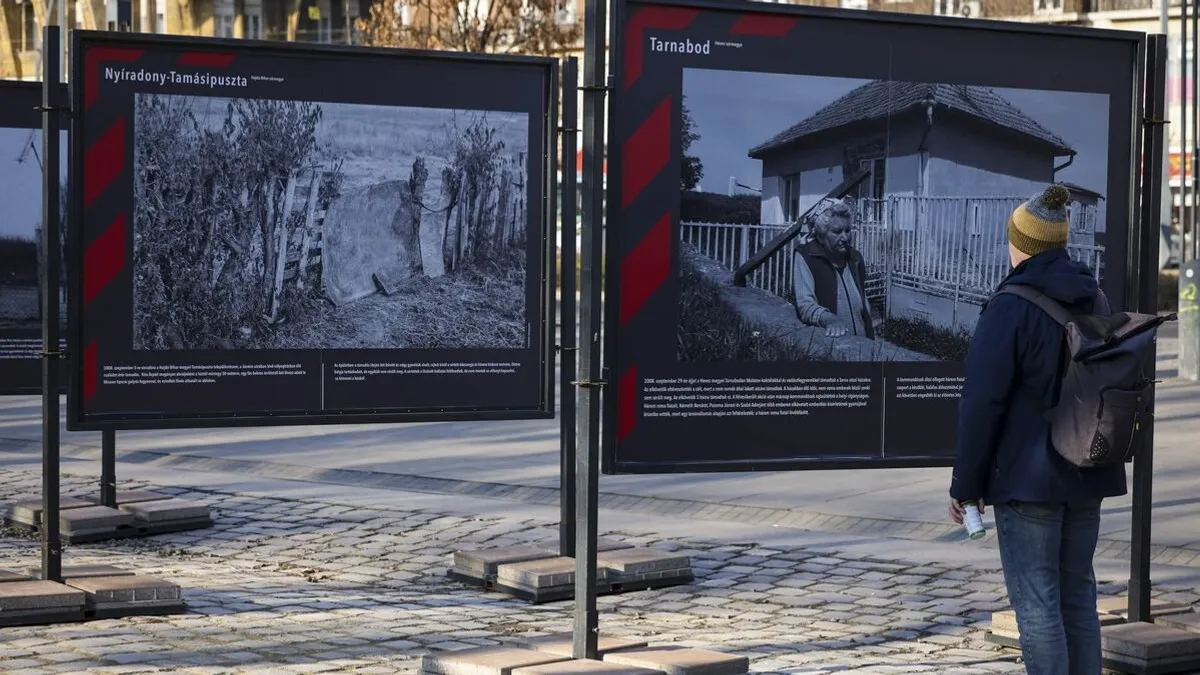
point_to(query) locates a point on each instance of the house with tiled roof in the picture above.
(947, 165)
(918, 139)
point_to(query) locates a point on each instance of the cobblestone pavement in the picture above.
(294, 586)
(1113, 546)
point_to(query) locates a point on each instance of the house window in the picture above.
(254, 26)
(854, 4)
(789, 197)
(1047, 6)
(253, 23)
(945, 7)
(224, 27)
(323, 15)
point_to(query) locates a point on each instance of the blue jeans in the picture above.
(1047, 552)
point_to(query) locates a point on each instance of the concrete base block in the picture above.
(674, 660)
(1149, 641)
(484, 661)
(93, 520)
(84, 571)
(29, 513)
(562, 644)
(165, 510)
(585, 667)
(1189, 621)
(24, 603)
(544, 573)
(545, 580)
(128, 595)
(133, 497)
(5, 576)
(482, 563)
(646, 567)
(1119, 605)
(602, 544)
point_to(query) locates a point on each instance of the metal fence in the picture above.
(953, 247)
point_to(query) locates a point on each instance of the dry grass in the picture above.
(923, 337)
(712, 331)
(482, 307)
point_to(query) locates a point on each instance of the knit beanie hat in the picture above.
(1040, 224)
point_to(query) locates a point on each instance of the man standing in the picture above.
(828, 275)
(1047, 510)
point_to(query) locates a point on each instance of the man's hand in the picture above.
(835, 328)
(957, 511)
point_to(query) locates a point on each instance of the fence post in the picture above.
(959, 253)
(281, 250)
(889, 254)
(744, 253)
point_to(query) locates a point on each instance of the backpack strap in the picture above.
(1047, 304)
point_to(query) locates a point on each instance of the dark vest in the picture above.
(826, 278)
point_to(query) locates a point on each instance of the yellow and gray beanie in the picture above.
(1040, 224)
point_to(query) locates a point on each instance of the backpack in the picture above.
(1105, 398)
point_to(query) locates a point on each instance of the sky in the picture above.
(21, 189)
(734, 111)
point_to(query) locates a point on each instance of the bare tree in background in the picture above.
(491, 26)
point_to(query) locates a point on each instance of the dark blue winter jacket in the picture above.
(1014, 365)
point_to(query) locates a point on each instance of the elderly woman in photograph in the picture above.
(828, 275)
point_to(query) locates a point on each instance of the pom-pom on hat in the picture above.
(1040, 224)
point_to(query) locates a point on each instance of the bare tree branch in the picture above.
(491, 26)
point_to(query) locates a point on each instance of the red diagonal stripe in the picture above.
(627, 403)
(206, 59)
(645, 269)
(90, 374)
(104, 259)
(646, 152)
(93, 74)
(763, 25)
(666, 18)
(104, 161)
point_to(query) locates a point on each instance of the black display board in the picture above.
(271, 233)
(20, 238)
(732, 125)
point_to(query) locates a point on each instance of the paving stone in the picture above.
(640, 562)
(125, 588)
(562, 644)
(133, 496)
(166, 510)
(484, 661)
(584, 667)
(544, 573)
(30, 512)
(602, 544)
(27, 595)
(673, 660)
(482, 563)
(83, 571)
(1148, 641)
(1189, 621)
(1120, 605)
(88, 519)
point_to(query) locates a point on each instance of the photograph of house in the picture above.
(939, 168)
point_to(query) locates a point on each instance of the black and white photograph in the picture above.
(898, 194)
(270, 224)
(21, 165)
